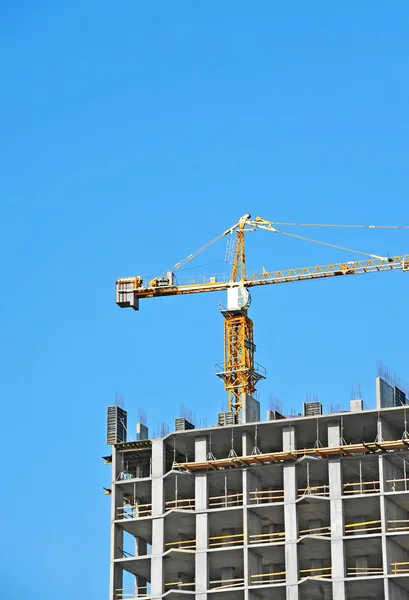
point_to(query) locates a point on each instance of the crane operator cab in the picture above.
(161, 282)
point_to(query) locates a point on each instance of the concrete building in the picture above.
(302, 508)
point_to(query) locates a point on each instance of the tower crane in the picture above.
(239, 371)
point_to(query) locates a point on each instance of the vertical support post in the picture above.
(158, 522)
(382, 507)
(337, 514)
(290, 516)
(360, 476)
(202, 527)
(117, 533)
(248, 443)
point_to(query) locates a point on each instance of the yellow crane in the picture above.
(240, 372)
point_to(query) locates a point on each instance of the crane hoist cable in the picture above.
(300, 237)
(337, 225)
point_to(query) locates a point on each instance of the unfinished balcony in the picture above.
(135, 460)
(397, 513)
(225, 489)
(397, 554)
(312, 476)
(179, 490)
(132, 591)
(137, 503)
(360, 475)
(314, 558)
(265, 484)
(136, 581)
(226, 528)
(180, 532)
(226, 570)
(396, 472)
(362, 516)
(139, 531)
(265, 524)
(363, 557)
(179, 572)
(313, 516)
(266, 566)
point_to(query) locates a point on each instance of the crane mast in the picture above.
(239, 374)
(239, 371)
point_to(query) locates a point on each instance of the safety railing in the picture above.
(398, 485)
(324, 530)
(181, 545)
(132, 593)
(400, 567)
(219, 541)
(180, 585)
(220, 584)
(398, 525)
(322, 572)
(314, 490)
(362, 527)
(266, 538)
(267, 578)
(181, 503)
(362, 487)
(134, 511)
(364, 571)
(265, 496)
(226, 500)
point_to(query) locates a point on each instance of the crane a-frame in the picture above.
(240, 372)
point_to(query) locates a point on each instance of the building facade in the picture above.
(302, 508)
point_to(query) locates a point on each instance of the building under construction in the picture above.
(302, 508)
(312, 507)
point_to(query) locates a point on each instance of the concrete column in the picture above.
(158, 522)
(157, 571)
(201, 493)
(290, 516)
(250, 410)
(386, 431)
(202, 526)
(382, 478)
(248, 443)
(337, 515)
(158, 469)
(117, 533)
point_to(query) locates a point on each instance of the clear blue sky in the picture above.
(131, 134)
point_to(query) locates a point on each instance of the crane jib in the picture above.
(133, 285)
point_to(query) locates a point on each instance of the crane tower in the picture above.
(239, 372)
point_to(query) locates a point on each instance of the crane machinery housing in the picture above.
(239, 371)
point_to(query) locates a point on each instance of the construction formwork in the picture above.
(303, 508)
